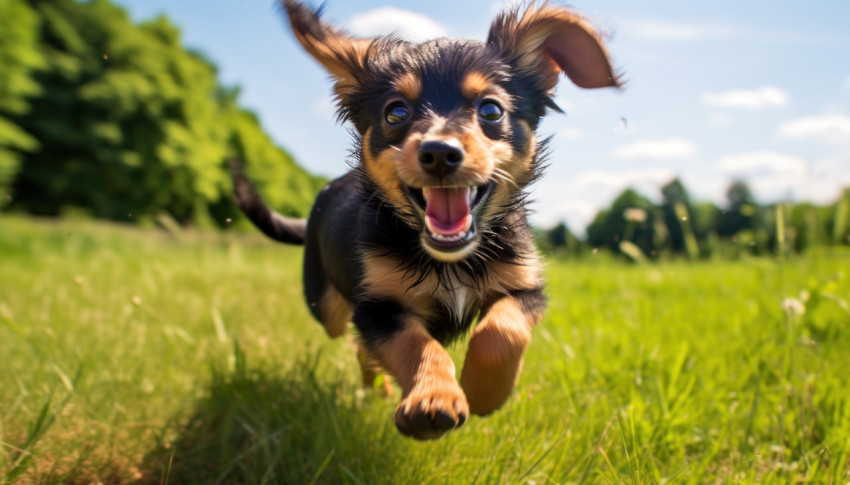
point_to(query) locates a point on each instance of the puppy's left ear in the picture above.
(343, 56)
(549, 40)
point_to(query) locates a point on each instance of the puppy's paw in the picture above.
(427, 413)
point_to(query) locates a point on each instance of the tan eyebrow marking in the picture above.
(474, 84)
(409, 86)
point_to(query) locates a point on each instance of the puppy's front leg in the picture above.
(432, 401)
(496, 347)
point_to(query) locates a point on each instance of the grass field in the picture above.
(131, 355)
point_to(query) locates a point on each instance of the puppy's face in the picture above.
(445, 139)
(447, 127)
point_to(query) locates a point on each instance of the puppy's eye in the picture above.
(396, 113)
(490, 111)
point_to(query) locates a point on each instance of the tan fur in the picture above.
(384, 172)
(503, 278)
(512, 172)
(426, 374)
(342, 56)
(519, 166)
(474, 84)
(335, 312)
(494, 358)
(552, 39)
(409, 86)
(370, 369)
(481, 157)
(384, 277)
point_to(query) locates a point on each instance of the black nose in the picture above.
(441, 157)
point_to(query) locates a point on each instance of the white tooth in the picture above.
(425, 192)
(472, 192)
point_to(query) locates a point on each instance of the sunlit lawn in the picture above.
(133, 355)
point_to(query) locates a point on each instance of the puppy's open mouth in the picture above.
(449, 213)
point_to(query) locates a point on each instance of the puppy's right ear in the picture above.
(548, 40)
(343, 56)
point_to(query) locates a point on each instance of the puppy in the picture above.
(427, 233)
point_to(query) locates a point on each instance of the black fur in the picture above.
(352, 214)
(276, 226)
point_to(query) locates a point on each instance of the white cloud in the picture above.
(570, 133)
(829, 176)
(747, 98)
(661, 31)
(578, 200)
(834, 128)
(670, 148)
(595, 180)
(577, 213)
(772, 176)
(411, 25)
(762, 163)
(776, 177)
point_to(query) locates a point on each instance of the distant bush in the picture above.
(640, 229)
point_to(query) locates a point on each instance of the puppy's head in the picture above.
(446, 128)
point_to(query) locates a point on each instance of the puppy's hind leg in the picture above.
(334, 312)
(326, 303)
(370, 369)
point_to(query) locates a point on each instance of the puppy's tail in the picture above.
(274, 225)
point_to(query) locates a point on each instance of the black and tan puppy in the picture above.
(428, 233)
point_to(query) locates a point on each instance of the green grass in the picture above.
(138, 356)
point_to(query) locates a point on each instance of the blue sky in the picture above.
(757, 90)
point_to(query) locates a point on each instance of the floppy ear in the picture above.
(550, 40)
(343, 56)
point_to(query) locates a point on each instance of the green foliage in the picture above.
(19, 57)
(697, 372)
(559, 240)
(631, 218)
(679, 218)
(132, 124)
(636, 227)
(740, 212)
(841, 219)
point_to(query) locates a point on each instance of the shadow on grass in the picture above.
(254, 428)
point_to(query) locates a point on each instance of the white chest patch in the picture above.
(456, 297)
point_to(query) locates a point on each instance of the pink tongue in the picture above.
(448, 210)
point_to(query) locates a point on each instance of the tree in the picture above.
(558, 239)
(841, 219)
(740, 212)
(631, 218)
(19, 58)
(132, 124)
(678, 216)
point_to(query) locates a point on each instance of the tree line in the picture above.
(117, 119)
(639, 229)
